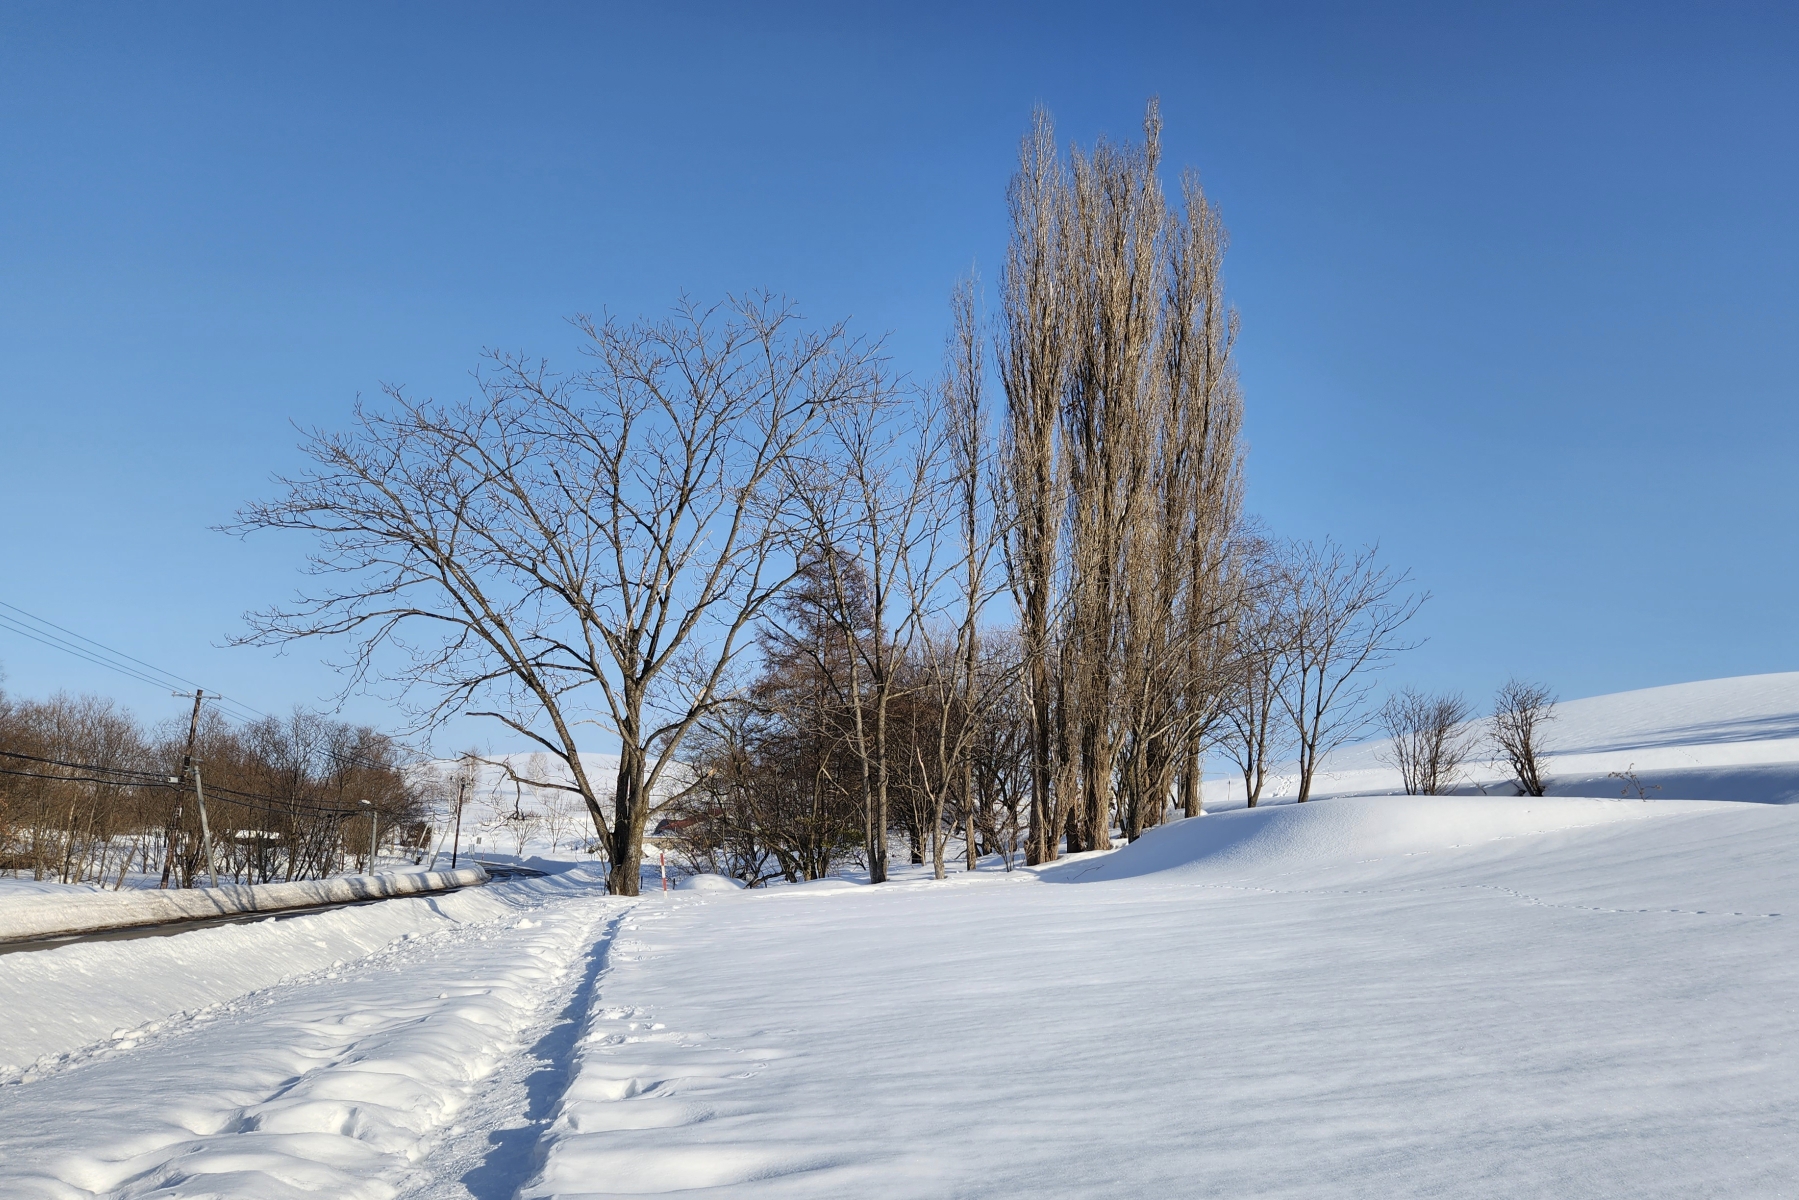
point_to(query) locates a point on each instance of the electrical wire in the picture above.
(161, 776)
(143, 672)
(275, 804)
(56, 643)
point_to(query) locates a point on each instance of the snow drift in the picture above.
(1338, 832)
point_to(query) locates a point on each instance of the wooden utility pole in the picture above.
(193, 729)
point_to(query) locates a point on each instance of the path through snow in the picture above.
(421, 1069)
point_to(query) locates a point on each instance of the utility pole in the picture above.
(456, 846)
(212, 866)
(193, 729)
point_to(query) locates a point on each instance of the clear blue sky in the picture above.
(1518, 289)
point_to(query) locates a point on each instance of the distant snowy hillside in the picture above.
(1719, 739)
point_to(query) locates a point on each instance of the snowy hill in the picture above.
(1719, 739)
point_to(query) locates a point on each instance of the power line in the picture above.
(162, 779)
(160, 776)
(249, 714)
(55, 643)
(97, 645)
(96, 652)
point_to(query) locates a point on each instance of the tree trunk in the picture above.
(1193, 785)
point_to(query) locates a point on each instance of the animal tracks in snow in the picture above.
(653, 1109)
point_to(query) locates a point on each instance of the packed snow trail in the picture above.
(1573, 998)
(411, 1070)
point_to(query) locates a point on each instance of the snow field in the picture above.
(1717, 739)
(1358, 998)
(1371, 997)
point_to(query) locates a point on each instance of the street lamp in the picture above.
(372, 828)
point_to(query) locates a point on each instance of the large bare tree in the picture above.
(575, 556)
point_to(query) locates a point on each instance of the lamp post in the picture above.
(373, 827)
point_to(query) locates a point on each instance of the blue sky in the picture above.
(1518, 288)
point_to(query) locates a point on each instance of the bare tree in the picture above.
(612, 532)
(1431, 738)
(873, 528)
(561, 809)
(1520, 711)
(1034, 352)
(955, 690)
(1108, 412)
(1341, 614)
(1205, 470)
(1254, 735)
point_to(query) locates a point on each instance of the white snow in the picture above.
(710, 883)
(1735, 739)
(47, 913)
(1362, 997)
(1355, 998)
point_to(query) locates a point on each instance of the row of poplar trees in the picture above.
(1122, 469)
(1103, 497)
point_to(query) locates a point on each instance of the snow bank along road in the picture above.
(35, 917)
(1358, 998)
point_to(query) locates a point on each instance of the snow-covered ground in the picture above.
(1361, 997)
(47, 914)
(1735, 739)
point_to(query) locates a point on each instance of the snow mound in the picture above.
(1294, 837)
(709, 883)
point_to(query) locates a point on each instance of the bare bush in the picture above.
(1520, 711)
(1430, 737)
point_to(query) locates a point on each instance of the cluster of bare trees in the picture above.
(1312, 624)
(816, 605)
(1432, 737)
(88, 794)
(807, 765)
(1106, 502)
